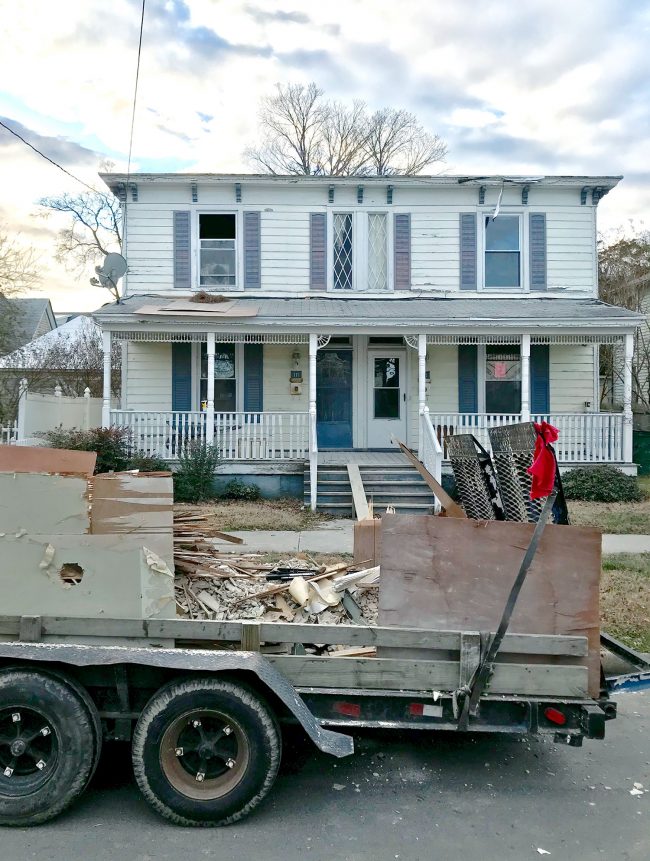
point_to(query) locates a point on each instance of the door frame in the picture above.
(350, 348)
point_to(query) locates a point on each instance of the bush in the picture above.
(113, 445)
(147, 463)
(238, 490)
(601, 484)
(195, 474)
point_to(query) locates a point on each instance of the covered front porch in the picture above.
(297, 390)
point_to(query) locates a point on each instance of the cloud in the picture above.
(60, 150)
(262, 16)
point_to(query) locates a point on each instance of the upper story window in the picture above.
(217, 250)
(377, 251)
(343, 250)
(503, 251)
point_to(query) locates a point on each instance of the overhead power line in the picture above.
(46, 157)
(135, 91)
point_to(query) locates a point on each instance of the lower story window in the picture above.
(225, 378)
(502, 380)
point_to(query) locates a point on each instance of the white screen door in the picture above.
(387, 398)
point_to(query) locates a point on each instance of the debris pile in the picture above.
(219, 584)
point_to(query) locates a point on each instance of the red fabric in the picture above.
(543, 468)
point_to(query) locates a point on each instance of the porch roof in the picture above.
(358, 314)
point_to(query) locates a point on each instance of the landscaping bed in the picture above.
(266, 514)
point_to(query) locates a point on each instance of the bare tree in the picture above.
(305, 133)
(18, 273)
(624, 279)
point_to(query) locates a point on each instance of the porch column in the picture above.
(627, 399)
(313, 350)
(209, 409)
(313, 445)
(422, 390)
(106, 393)
(525, 378)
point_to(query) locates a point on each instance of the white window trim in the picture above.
(524, 276)
(239, 375)
(360, 248)
(481, 374)
(237, 211)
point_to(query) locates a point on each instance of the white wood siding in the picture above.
(285, 212)
(572, 379)
(149, 376)
(278, 365)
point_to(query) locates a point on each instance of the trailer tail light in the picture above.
(347, 709)
(416, 709)
(555, 716)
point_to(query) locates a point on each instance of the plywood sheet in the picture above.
(132, 502)
(443, 573)
(34, 502)
(19, 458)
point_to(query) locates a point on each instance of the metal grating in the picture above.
(377, 255)
(475, 478)
(342, 250)
(512, 453)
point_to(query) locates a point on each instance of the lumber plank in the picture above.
(358, 493)
(453, 509)
(470, 656)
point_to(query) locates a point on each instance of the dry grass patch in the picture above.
(266, 514)
(625, 598)
(617, 518)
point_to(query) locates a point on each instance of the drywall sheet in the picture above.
(449, 574)
(120, 576)
(31, 502)
(132, 502)
(18, 458)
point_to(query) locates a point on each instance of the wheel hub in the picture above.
(27, 744)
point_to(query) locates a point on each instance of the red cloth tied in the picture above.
(543, 467)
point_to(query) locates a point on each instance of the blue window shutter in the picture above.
(402, 253)
(254, 378)
(537, 243)
(467, 378)
(318, 251)
(252, 251)
(539, 379)
(181, 376)
(182, 250)
(468, 251)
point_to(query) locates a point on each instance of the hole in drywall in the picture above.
(71, 573)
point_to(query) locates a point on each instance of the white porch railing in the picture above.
(161, 434)
(584, 437)
(431, 453)
(261, 436)
(8, 433)
(238, 436)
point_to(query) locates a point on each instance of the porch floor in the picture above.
(341, 457)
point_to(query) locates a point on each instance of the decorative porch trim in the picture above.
(222, 337)
(412, 341)
(473, 339)
(577, 339)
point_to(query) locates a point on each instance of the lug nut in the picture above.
(200, 776)
(227, 730)
(16, 717)
(8, 771)
(41, 764)
(230, 763)
(179, 751)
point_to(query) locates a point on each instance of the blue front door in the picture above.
(334, 398)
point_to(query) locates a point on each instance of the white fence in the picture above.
(39, 413)
(8, 433)
(584, 437)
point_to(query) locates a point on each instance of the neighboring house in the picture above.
(32, 317)
(346, 311)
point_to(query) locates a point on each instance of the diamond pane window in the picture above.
(377, 256)
(343, 251)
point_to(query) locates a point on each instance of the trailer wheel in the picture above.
(47, 747)
(206, 751)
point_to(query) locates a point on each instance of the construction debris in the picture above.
(221, 584)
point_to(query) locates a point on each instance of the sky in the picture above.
(534, 87)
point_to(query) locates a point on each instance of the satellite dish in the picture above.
(110, 272)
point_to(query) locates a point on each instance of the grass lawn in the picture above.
(625, 599)
(617, 518)
(275, 514)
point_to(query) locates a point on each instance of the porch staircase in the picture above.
(398, 485)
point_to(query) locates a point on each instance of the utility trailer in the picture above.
(202, 702)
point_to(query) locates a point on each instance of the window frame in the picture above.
(481, 375)
(239, 374)
(360, 237)
(524, 283)
(239, 246)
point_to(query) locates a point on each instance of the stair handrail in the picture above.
(431, 454)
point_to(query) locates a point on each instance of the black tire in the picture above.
(230, 750)
(48, 747)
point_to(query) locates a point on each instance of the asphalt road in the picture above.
(412, 797)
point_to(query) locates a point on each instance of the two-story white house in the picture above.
(302, 321)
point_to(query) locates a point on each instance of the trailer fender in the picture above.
(195, 660)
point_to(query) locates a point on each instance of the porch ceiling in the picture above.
(403, 315)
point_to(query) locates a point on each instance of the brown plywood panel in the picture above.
(24, 458)
(443, 573)
(131, 502)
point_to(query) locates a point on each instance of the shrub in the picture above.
(601, 484)
(147, 463)
(238, 490)
(113, 445)
(194, 477)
